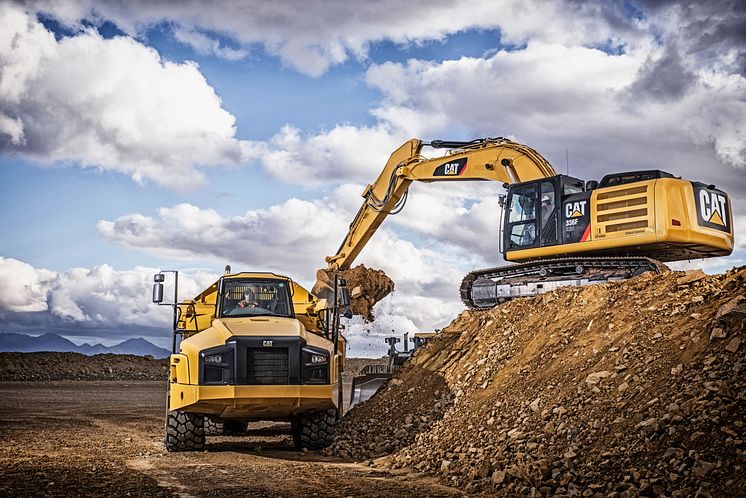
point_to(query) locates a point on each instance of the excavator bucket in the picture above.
(370, 380)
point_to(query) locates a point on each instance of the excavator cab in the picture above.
(648, 213)
(535, 215)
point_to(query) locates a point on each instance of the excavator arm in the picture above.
(496, 159)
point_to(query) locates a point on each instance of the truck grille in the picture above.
(267, 366)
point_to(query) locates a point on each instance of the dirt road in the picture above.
(104, 439)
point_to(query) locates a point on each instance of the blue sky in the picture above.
(136, 136)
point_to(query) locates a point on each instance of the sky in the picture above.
(138, 135)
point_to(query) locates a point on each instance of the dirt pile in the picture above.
(623, 389)
(76, 366)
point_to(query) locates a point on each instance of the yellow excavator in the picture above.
(557, 229)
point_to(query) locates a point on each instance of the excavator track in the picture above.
(484, 289)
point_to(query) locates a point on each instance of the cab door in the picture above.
(549, 212)
(521, 221)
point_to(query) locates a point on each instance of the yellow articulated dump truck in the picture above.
(254, 346)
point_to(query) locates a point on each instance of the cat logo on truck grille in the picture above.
(712, 207)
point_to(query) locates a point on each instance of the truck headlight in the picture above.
(213, 359)
(217, 366)
(315, 366)
(318, 358)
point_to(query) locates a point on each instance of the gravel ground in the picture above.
(73, 438)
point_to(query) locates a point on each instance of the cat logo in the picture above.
(575, 209)
(267, 344)
(712, 207)
(451, 168)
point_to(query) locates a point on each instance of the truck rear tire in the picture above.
(225, 428)
(314, 430)
(185, 431)
(213, 428)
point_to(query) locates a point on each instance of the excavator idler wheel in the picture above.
(314, 430)
(579, 269)
(544, 272)
(185, 431)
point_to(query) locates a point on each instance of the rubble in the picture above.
(367, 286)
(621, 389)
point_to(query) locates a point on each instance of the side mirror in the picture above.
(591, 185)
(501, 200)
(158, 278)
(344, 297)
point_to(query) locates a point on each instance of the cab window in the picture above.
(522, 216)
(244, 298)
(523, 204)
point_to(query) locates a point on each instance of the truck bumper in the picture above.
(252, 402)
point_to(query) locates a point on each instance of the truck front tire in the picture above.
(314, 430)
(185, 431)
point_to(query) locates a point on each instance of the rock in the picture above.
(733, 345)
(649, 422)
(691, 276)
(572, 411)
(535, 405)
(595, 378)
(717, 333)
(701, 468)
(733, 310)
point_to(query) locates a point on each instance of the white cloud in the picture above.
(610, 112)
(576, 97)
(290, 238)
(205, 45)
(341, 154)
(109, 104)
(319, 35)
(98, 294)
(25, 289)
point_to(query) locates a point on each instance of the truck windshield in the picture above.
(252, 297)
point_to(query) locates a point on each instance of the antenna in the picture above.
(567, 161)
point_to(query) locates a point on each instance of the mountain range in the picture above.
(22, 343)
